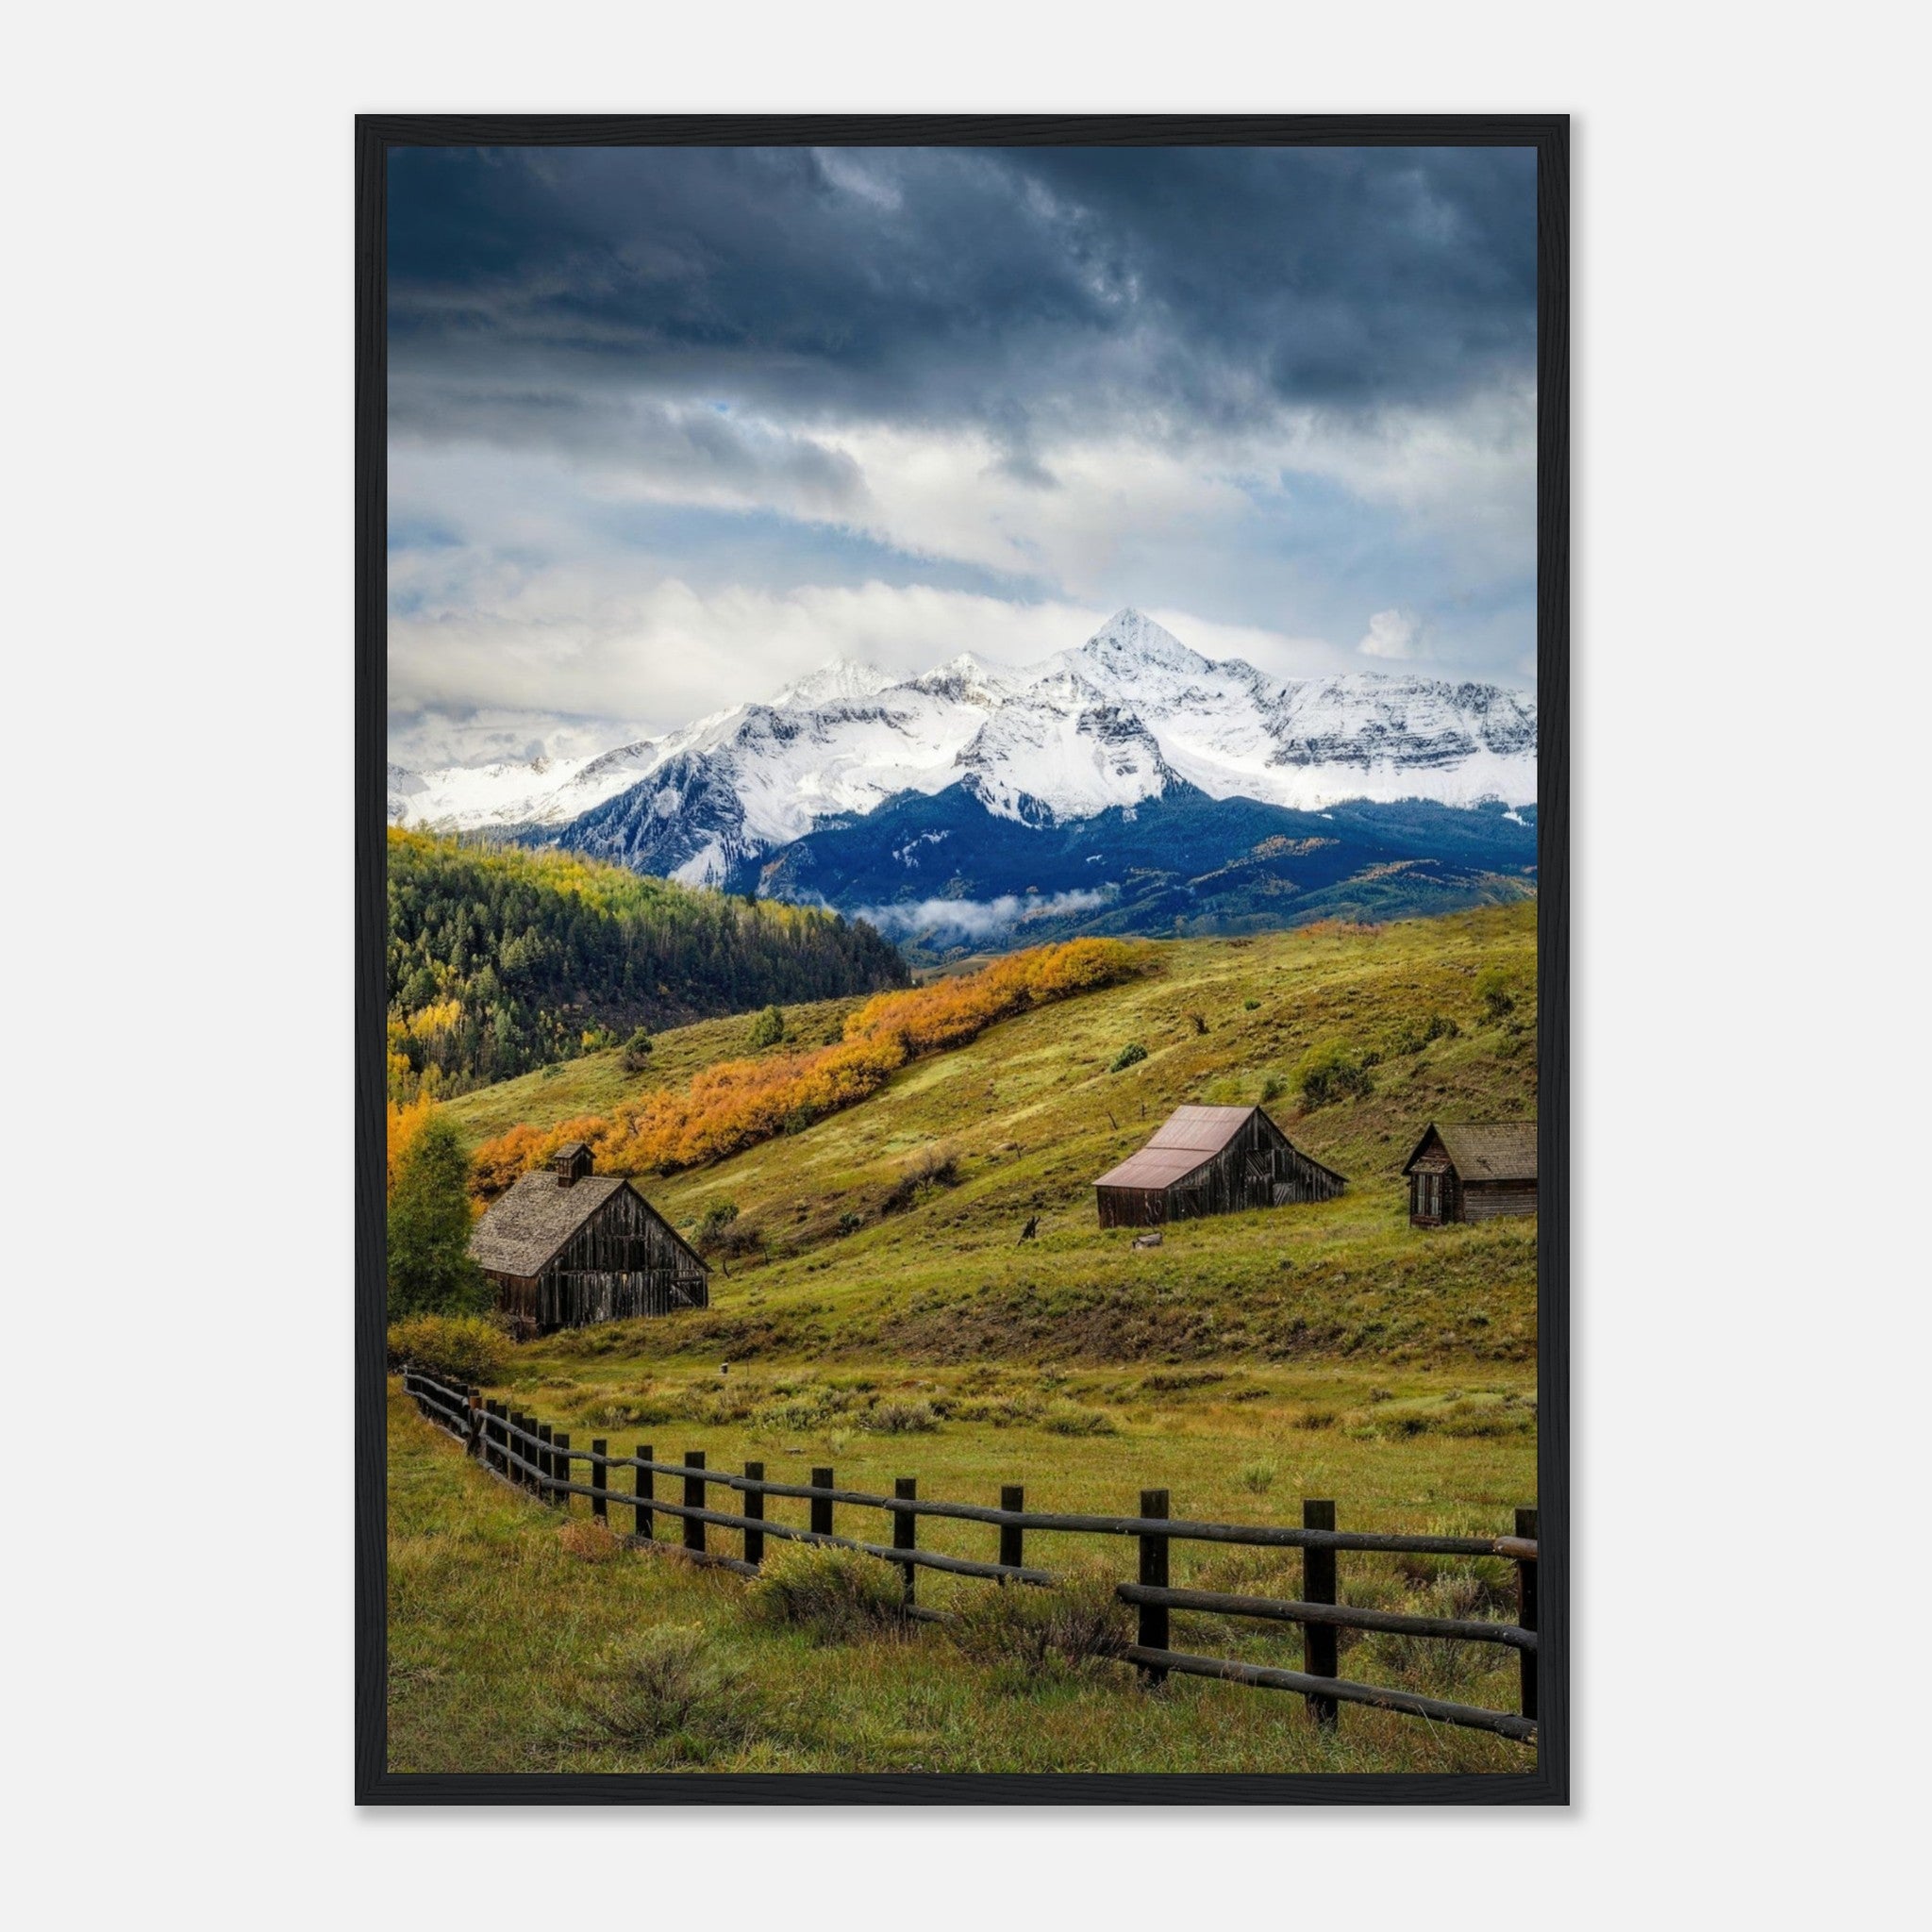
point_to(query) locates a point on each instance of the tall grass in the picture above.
(509, 1653)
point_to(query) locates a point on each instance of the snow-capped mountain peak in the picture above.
(841, 680)
(1129, 642)
(1125, 716)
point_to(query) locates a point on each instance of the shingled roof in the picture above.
(1497, 1151)
(524, 1230)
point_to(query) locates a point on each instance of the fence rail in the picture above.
(538, 1458)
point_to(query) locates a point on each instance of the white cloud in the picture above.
(857, 172)
(957, 497)
(489, 661)
(1391, 634)
(431, 739)
(541, 624)
(476, 637)
(976, 919)
(1072, 510)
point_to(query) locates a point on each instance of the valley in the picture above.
(893, 1230)
(878, 1307)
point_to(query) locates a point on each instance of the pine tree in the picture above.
(431, 1271)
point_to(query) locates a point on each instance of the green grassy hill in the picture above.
(893, 1230)
(883, 1317)
(597, 1081)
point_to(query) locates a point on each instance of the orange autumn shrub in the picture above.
(498, 1163)
(737, 1104)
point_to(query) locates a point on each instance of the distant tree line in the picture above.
(502, 960)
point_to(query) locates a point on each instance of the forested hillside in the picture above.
(501, 961)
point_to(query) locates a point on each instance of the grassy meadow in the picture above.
(521, 1638)
(875, 1308)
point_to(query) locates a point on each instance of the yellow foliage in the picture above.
(737, 1104)
(407, 1119)
(432, 1023)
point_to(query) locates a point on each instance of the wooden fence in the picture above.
(540, 1460)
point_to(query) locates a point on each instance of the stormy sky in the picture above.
(669, 426)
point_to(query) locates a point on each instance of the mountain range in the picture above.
(1090, 790)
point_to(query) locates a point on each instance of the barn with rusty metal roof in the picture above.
(1211, 1160)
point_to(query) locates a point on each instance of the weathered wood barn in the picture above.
(1211, 1160)
(567, 1247)
(1472, 1173)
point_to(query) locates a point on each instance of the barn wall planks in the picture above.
(1257, 1167)
(624, 1261)
(1486, 1200)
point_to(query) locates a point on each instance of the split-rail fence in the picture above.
(538, 1458)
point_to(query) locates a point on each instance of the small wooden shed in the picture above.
(1472, 1173)
(567, 1247)
(1211, 1160)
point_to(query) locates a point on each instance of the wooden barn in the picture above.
(1472, 1173)
(567, 1247)
(1211, 1160)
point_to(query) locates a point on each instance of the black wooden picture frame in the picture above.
(1548, 1783)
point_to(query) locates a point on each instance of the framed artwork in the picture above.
(961, 960)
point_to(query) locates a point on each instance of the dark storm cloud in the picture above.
(671, 426)
(1173, 291)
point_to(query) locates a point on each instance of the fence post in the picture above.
(755, 1506)
(472, 1444)
(546, 1468)
(905, 1536)
(559, 1458)
(1012, 1535)
(527, 1451)
(693, 1499)
(1318, 1586)
(821, 1505)
(1153, 1635)
(490, 1409)
(644, 1489)
(600, 1479)
(1526, 1613)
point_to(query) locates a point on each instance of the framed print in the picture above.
(961, 960)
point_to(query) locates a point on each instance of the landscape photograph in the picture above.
(961, 1047)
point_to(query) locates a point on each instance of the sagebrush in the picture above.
(466, 1348)
(835, 1594)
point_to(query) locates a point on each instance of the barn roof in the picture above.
(1206, 1129)
(1188, 1138)
(527, 1225)
(523, 1232)
(1491, 1151)
(1154, 1167)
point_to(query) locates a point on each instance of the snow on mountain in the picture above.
(1065, 753)
(844, 680)
(545, 792)
(1118, 720)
